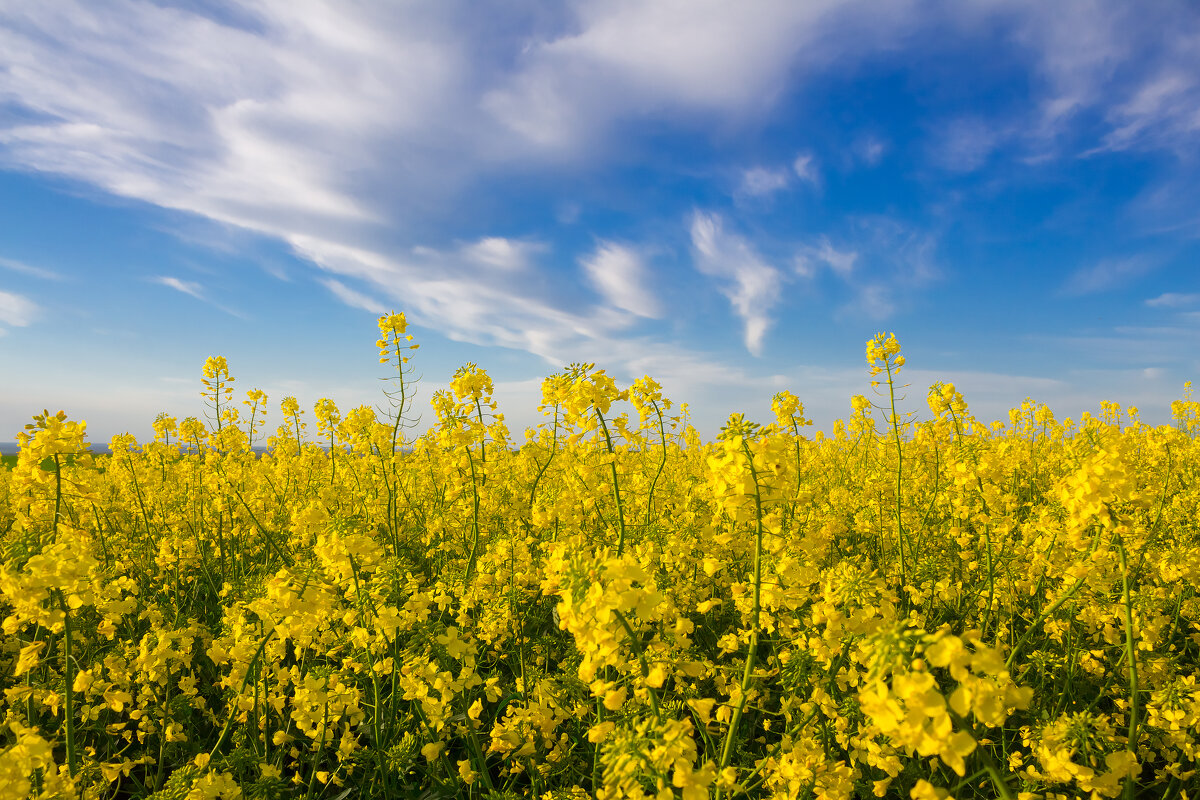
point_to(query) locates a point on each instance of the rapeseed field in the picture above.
(912, 606)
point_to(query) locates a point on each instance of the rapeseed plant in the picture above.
(607, 607)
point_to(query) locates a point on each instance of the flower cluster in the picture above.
(931, 608)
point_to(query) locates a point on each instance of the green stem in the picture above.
(612, 463)
(377, 698)
(989, 764)
(542, 470)
(57, 492)
(478, 756)
(245, 679)
(662, 435)
(482, 441)
(474, 520)
(1131, 657)
(1041, 617)
(320, 746)
(736, 718)
(987, 614)
(69, 679)
(637, 649)
(899, 471)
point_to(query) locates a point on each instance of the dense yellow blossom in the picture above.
(905, 607)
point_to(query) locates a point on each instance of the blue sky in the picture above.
(729, 196)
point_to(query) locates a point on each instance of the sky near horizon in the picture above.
(729, 196)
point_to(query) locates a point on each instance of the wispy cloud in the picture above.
(805, 168)
(812, 257)
(751, 284)
(762, 181)
(619, 274)
(1138, 347)
(22, 268)
(352, 298)
(301, 127)
(873, 301)
(257, 128)
(965, 144)
(881, 263)
(870, 150)
(17, 310)
(449, 291)
(1173, 300)
(1132, 66)
(353, 133)
(508, 255)
(1107, 274)
(187, 287)
(435, 285)
(1160, 110)
(196, 290)
(618, 60)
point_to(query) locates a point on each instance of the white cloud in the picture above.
(619, 274)
(761, 181)
(300, 118)
(805, 168)
(811, 257)
(1173, 300)
(1133, 64)
(349, 130)
(751, 284)
(503, 254)
(630, 58)
(568, 213)
(870, 150)
(444, 290)
(17, 310)
(766, 181)
(873, 301)
(352, 298)
(965, 144)
(1106, 274)
(300, 126)
(1138, 347)
(881, 262)
(187, 287)
(271, 128)
(1163, 107)
(193, 289)
(902, 255)
(342, 131)
(26, 269)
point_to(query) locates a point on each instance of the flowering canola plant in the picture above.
(907, 607)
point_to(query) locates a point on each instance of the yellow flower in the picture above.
(657, 676)
(29, 658)
(615, 698)
(924, 790)
(600, 731)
